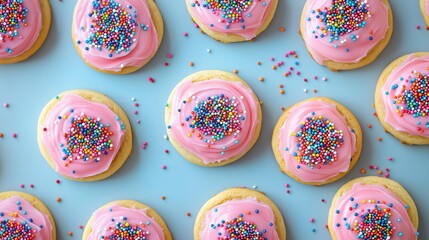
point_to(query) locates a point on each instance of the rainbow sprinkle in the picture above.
(415, 98)
(217, 116)
(342, 17)
(87, 139)
(112, 28)
(125, 231)
(238, 229)
(345, 16)
(317, 142)
(371, 221)
(11, 229)
(12, 13)
(231, 10)
(375, 224)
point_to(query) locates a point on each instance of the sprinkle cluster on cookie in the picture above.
(340, 20)
(13, 15)
(240, 227)
(317, 143)
(113, 27)
(412, 98)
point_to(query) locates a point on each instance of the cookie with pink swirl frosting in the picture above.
(317, 141)
(232, 20)
(424, 7)
(23, 216)
(373, 208)
(213, 118)
(84, 135)
(126, 218)
(239, 213)
(346, 34)
(117, 36)
(24, 26)
(402, 98)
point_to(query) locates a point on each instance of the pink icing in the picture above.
(27, 35)
(102, 221)
(143, 48)
(40, 224)
(406, 123)
(253, 211)
(230, 146)
(258, 14)
(321, 49)
(380, 196)
(53, 137)
(288, 142)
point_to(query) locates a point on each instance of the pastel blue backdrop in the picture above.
(28, 86)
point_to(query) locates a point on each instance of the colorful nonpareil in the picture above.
(81, 137)
(20, 25)
(118, 222)
(318, 141)
(113, 34)
(240, 219)
(343, 31)
(215, 120)
(315, 141)
(21, 220)
(405, 96)
(371, 211)
(241, 17)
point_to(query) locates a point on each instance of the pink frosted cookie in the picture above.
(213, 118)
(232, 20)
(24, 26)
(126, 219)
(117, 36)
(402, 98)
(84, 135)
(317, 141)
(240, 214)
(373, 208)
(23, 216)
(346, 34)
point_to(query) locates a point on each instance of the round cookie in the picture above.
(213, 118)
(373, 208)
(252, 211)
(353, 38)
(297, 143)
(73, 115)
(27, 213)
(126, 217)
(25, 31)
(113, 46)
(234, 20)
(401, 98)
(424, 7)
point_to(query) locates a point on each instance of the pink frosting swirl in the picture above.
(249, 209)
(27, 34)
(254, 17)
(17, 209)
(350, 207)
(194, 92)
(106, 219)
(396, 80)
(145, 42)
(58, 121)
(337, 50)
(288, 142)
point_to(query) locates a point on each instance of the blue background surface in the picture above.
(28, 86)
